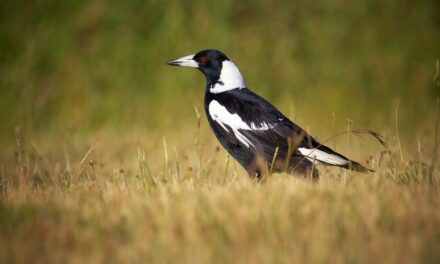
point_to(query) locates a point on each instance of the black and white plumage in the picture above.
(251, 129)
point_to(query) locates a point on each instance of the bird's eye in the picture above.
(203, 60)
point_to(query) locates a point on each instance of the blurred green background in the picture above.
(100, 65)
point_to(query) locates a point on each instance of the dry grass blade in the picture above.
(379, 137)
(358, 132)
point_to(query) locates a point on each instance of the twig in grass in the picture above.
(379, 137)
(273, 160)
(197, 139)
(358, 132)
(382, 155)
(397, 135)
(45, 161)
(92, 164)
(144, 169)
(419, 150)
(81, 164)
(177, 163)
(197, 115)
(349, 122)
(435, 151)
(333, 129)
(165, 151)
(226, 165)
(436, 78)
(87, 154)
(20, 151)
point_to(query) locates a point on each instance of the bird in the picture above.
(253, 131)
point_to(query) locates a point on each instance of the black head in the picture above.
(207, 61)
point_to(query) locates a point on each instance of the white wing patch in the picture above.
(224, 118)
(263, 126)
(316, 155)
(230, 78)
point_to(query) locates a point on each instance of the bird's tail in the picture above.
(327, 156)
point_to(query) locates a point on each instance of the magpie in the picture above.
(252, 130)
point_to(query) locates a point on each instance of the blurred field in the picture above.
(104, 158)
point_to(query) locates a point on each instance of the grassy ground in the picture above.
(191, 203)
(104, 157)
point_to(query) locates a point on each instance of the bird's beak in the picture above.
(184, 61)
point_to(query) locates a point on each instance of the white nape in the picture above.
(230, 78)
(224, 118)
(316, 155)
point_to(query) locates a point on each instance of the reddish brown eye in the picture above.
(203, 60)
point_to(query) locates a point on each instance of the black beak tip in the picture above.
(173, 63)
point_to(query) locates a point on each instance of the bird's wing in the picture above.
(250, 121)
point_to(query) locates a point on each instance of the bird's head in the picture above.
(220, 72)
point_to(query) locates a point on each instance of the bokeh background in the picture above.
(106, 155)
(88, 66)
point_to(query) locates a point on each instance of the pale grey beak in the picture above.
(184, 61)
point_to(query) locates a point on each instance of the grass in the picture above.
(168, 203)
(183, 221)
